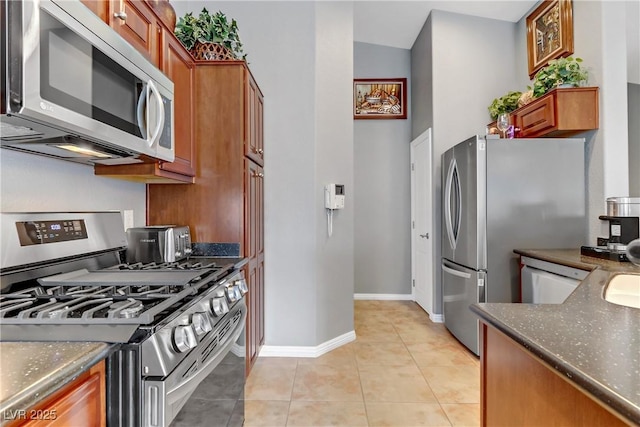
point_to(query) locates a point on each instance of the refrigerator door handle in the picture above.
(447, 207)
(456, 272)
(458, 192)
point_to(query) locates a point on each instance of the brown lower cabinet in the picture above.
(519, 390)
(225, 202)
(80, 403)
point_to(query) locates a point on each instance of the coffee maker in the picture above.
(623, 215)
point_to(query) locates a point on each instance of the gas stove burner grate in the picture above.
(175, 265)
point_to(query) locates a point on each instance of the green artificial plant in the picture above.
(209, 28)
(561, 71)
(504, 104)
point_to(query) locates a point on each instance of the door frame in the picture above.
(425, 136)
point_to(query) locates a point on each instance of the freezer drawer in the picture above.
(462, 287)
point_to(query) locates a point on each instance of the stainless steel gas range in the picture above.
(62, 279)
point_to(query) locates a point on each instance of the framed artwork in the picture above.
(380, 98)
(549, 33)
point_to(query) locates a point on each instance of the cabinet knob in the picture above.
(120, 15)
(260, 151)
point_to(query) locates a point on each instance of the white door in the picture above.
(421, 222)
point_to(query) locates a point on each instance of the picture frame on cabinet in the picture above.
(380, 98)
(549, 33)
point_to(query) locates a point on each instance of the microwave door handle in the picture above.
(140, 110)
(155, 136)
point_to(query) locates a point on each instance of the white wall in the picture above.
(383, 183)
(467, 71)
(301, 56)
(32, 183)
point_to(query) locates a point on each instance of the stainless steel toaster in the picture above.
(162, 243)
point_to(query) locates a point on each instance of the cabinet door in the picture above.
(179, 67)
(537, 119)
(253, 125)
(81, 403)
(259, 238)
(136, 23)
(254, 245)
(250, 219)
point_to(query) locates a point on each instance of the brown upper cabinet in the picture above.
(563, 112)
(137, 23)
(559, 113)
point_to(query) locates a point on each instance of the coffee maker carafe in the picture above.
(623, 215)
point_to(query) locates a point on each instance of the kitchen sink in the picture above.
(624, 289)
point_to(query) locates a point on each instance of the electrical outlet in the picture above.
(127, 217)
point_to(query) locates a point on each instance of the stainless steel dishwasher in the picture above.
(548, 283)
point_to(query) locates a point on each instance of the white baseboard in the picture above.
(436, 318)
(384, 297)
(307, 351)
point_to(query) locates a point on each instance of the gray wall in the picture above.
(302, 60)
(382, 178)
(464, 71)
(601, 39)
(334, 164)
(422, 81)
(31, 183)
(634, 139)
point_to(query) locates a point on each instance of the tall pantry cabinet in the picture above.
(225, 203)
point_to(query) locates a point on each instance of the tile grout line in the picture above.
(293, 385)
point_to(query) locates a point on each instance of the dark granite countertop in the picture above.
(220, 253)
(32, 371)
(589, 341)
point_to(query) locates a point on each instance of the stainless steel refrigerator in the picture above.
(500, 195)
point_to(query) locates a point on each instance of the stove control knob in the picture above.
(238, 291)
(183, 338)
(230, 290)
(242, 285)
(219, 306)
(201, 323)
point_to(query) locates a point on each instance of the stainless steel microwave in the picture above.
(72, 88)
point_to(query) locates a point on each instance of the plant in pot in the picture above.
(210, 36)
(561, 72)
(504, 104)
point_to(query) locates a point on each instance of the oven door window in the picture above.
(77, 76)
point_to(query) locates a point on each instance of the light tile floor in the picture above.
(402, 370)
